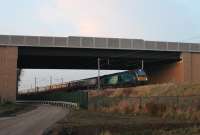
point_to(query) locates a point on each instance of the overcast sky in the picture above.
(165, 20)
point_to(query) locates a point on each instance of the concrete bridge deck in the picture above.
(97, 42)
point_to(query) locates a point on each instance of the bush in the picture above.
(124, 107)
(155, 109)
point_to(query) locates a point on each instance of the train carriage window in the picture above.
(127, 76)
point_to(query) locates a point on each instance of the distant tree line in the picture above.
(19, 74)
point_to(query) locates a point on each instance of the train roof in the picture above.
(106, 75)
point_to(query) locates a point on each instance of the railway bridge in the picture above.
(163, 61)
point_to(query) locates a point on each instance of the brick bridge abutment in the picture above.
(8, 73)
(186, 70)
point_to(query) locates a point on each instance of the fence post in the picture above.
(158, 99)
(177, 101)
(140, 102)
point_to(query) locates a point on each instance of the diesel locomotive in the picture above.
(122, 79)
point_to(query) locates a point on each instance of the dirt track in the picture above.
(33, 122)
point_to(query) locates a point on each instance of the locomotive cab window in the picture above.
(140, 72)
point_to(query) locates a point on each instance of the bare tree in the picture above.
(19, 75)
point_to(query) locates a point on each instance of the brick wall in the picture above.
(186, 70)
(8, 66)
(195, 67)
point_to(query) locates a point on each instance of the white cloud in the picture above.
(121, 18)
(91, 17)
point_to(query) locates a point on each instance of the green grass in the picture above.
(12, 109)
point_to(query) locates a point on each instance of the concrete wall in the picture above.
(186, 70)
(8, 66)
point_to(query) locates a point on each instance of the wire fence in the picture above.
(171, 101)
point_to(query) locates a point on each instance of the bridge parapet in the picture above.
(97, 43)
(68, 105)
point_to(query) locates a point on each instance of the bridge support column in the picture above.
(186, 70)
(8, 73)
(191, 63)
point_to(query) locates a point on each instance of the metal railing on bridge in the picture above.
(97, 42)
(80, 98)
(68, 105)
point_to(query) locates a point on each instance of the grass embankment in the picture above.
(120, 115)
(96, 123)
(11, 109)
(168, 89)
(120, 101)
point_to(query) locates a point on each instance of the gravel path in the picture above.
(34, 122)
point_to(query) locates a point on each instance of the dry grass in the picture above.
(153, 108)
(89, 123)
(168, 89)
(180, 114)
(190, 113)
(182, 131)
(123, 107)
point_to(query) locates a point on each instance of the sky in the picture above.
(163, 20)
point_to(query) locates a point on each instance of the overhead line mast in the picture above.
(99, 68)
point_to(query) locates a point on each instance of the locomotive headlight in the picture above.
(142, 78)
